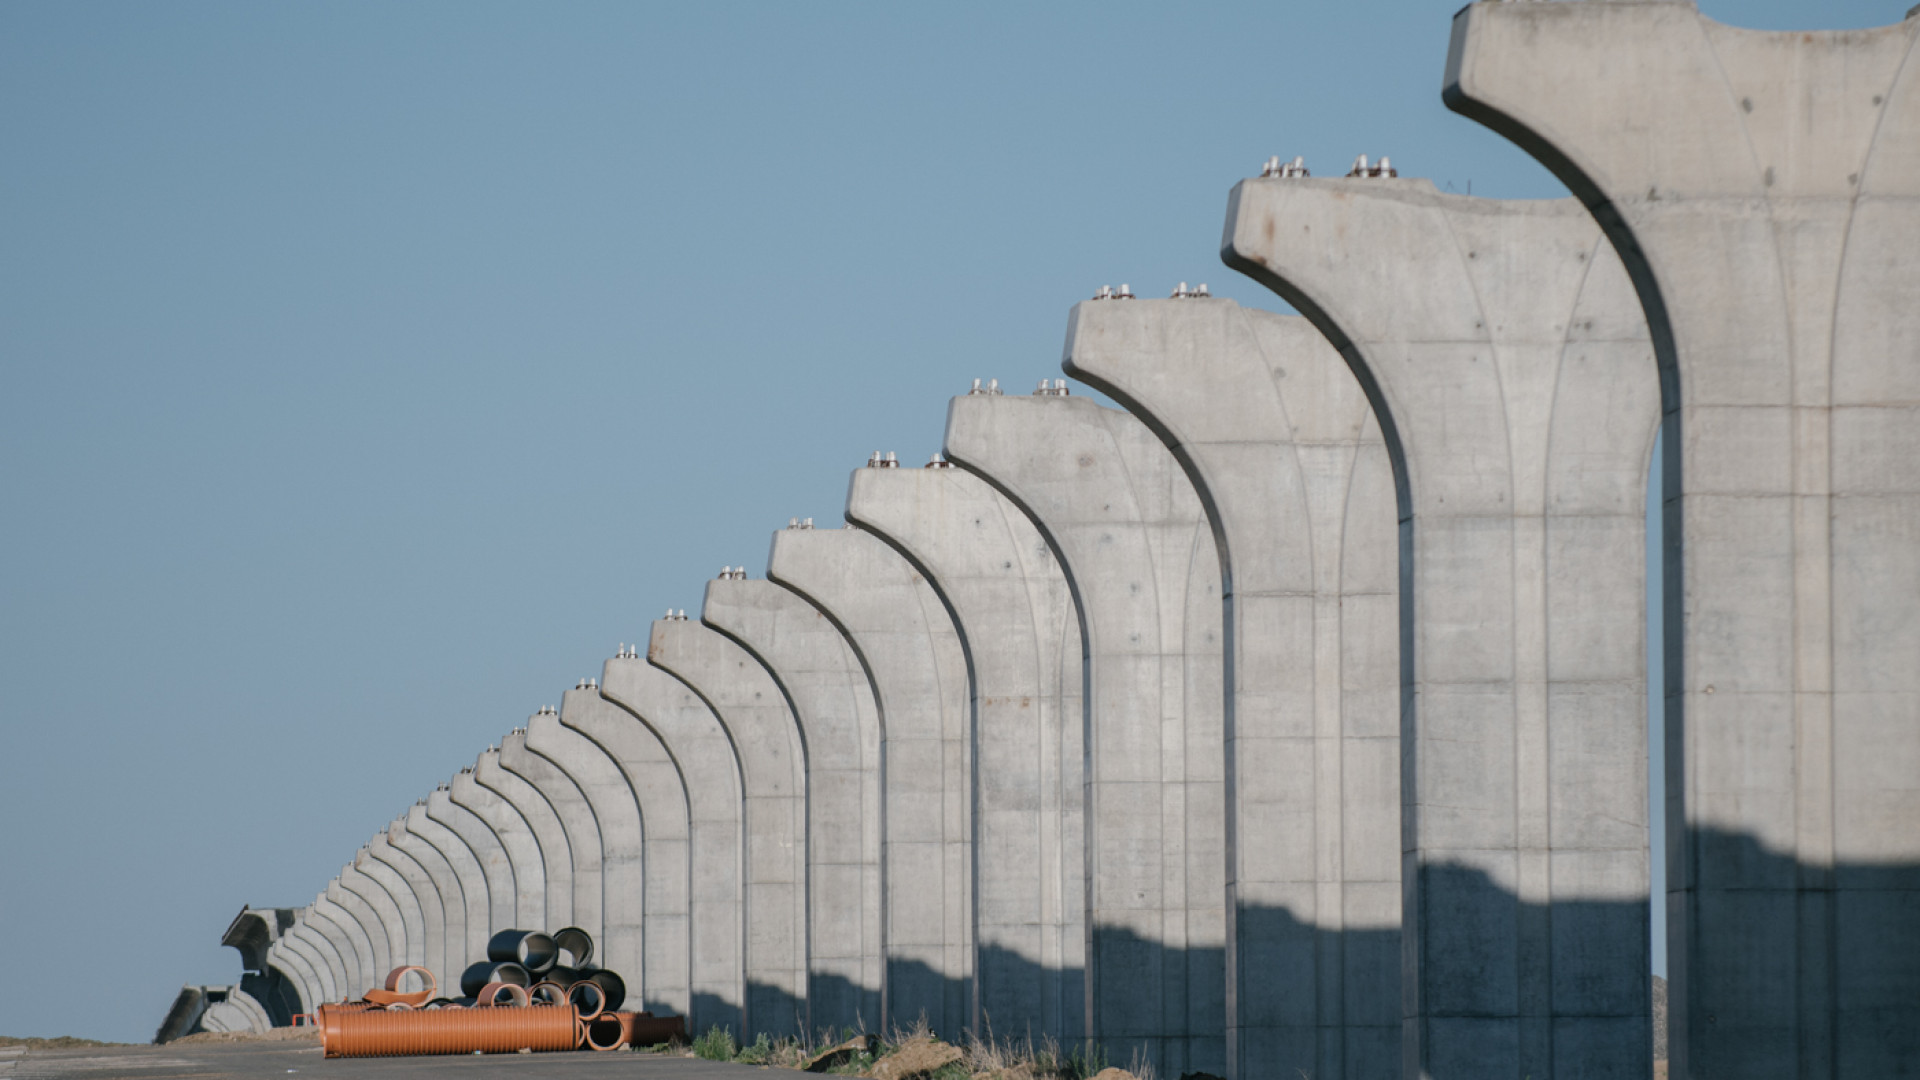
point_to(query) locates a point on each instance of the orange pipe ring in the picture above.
(608, 1031)
(489, 995)
(444, 1031)
(589, 991)
(545, 992)
(399, 973)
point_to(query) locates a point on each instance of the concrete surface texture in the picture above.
(378, 914)
(823, 683)
(658, 975)
(363, 928)
(531, 832)
(348, 936)
(1280, 445)
(1520, 392)
(428, 946)
(1764, 192)
(715, 857)
(1021, 639)
(305, 940)
(580, 831)
(503, 818)
(435, 837)
(410, 945)
(614, 814)
(772, 760)
(496, 869)
(907, 645)
(452, 951)
(1139, 557)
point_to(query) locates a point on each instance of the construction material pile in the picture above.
(502, 1009)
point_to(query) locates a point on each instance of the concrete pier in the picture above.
(473, 879)
(581, 831)
(309, 935)
(911, 653)
(1521, 397)
(771, 757)
(412, 940)
(822, 681)
(1277, 439)
(428, 945)
(496, 869)
(654, 780)
(446, 882)
(1762, 190)
(1139, 556)
(299, 942)
(700, 747)
(531, 832)
(617, 831)
(386, 928)
(363, 926)
(1010, 604)
(348, 936)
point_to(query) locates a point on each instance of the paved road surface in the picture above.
(294, 1061)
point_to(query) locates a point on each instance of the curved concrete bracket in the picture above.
(496, 867)
(1763, 190)
(907, 643)
(419, 900)
(659, 952)
(614, 813)
(582, 832)
(1017, 626)
(504, 819)
(394, 902)
(410, 851)
(699, 747)
(772, 758)
(348, 938)
(350, 890)
(1139, 555)
(823, 682)
(307, 942)
(474, 888)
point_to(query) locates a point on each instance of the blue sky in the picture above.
(371, 371)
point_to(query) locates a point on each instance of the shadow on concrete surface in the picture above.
(1852, 1002)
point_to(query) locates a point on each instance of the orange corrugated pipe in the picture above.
(446, 1031)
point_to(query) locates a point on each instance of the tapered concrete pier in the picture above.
(580, 830)
(1277, 439)
(614, 814)
(1139, 557)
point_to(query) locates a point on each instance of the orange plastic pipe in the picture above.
(392, 995)
(446, 1031)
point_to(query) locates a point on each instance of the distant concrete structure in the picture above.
(496, 869)
(279, 982)
(378, 913)
(528, 893)
(427, 945)
(307, 941)
(363, 927)
(716, 856)
(1277, 439)
(530, 830)
(823, 682)
(474, 890)
(906, 642)
(771, 757)
(1139, 557)
(1760, 188)
(660, 975)
(348, 936)
(581, 831)
(617, 836)
(1520, 394)
(1010, 604)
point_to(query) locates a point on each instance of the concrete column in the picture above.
(822, 681)
(698, 744)
(653, 779)
(350, 937)
(308, 942)
(504, 819)
(1277, 439)
(387, 927)
(473, 882)
(1015, 618)
(907, 644)
(298, 973)
(549, 837)
(772, 758)
(452, 953)
(368, 928)
(318, 981)
(409, 940)
(1522, 396)
(417, 896)
(582, 833)
(613, 813)
(1139, 556)
(496, 869)
(1762, 190)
